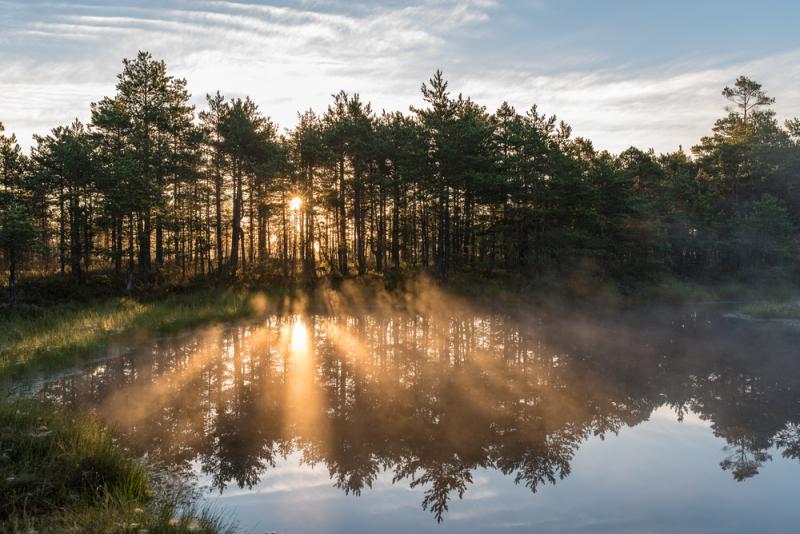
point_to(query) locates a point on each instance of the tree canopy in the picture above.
(149, 187)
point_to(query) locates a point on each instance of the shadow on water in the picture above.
(431, 396)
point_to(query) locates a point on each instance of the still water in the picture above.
(454, 420)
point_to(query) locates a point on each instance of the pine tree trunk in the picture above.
(131, 233)
(359, 222)
(62, 238)
(250, 227)
(342, 221)
(116, 240)
(285, 236)
(87, 238)
(74, 237)
(381, 248)
(310, 265)
(218, 208)
(396, 228)
(237, 214)
(443, 237)
(262, 230)
(159, 241)
(12, 278)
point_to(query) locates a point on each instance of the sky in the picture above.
(621, 72)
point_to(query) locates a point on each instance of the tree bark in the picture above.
(237, 215)
(12, 278)
(342, 221)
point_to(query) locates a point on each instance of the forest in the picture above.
(152, 188)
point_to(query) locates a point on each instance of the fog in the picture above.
(430, 387)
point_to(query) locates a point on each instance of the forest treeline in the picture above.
(151, 185)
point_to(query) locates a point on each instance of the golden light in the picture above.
(298, 338)
(305, 401)
(295, 203)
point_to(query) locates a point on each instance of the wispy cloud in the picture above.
(290, 58)
(265, 51)
(658, 107)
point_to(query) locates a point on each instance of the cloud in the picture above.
(264, 51)
(658, 107)
(291, 58)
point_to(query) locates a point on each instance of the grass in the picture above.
(772, 310)
(65, 473)
(509, 291)
(46, 338)
(61, 472)
(66, 334)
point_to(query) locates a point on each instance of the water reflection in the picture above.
(433, 398)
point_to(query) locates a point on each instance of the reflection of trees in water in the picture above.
(433, 400)
(788, 439)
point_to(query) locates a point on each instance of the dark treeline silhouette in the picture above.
(151, 186)
(434, 397)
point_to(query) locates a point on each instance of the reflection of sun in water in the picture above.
(305, 406)
(295, 203)
(298, 338)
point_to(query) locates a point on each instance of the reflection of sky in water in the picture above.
(659, 476)
(320, 423)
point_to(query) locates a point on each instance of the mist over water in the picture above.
(394, 417)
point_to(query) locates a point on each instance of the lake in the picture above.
(455, 419)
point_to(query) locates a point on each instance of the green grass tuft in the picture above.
(62, 473)
(64, 335)
(772, 310)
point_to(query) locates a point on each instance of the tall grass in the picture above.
(61, 472)
(63, 335)
(772, 310)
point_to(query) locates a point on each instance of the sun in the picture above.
(295, 203)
